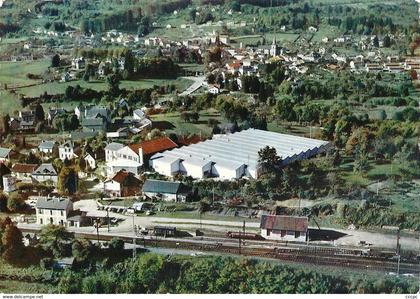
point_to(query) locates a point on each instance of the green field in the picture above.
(13, 76)
(20, 287)
(173, 122)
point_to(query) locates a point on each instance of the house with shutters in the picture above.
(58, 211)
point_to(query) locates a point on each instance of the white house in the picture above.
(66, 151)
(45, 172)
(213, 89)
(58, 211)
(138, 114)
(78, 63)
(46, 146)
(4, 154)
(131, 157)
(90, 160)
(9, 183)
(23, 172)
(284, 228)
(122, 184)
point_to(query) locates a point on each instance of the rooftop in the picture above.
(4, 152)
(45, 169)
(241, 148)
(52, 203)
(157, 186)
(276, 222)
(24, 168)
(153, 146)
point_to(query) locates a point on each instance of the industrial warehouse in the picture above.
(235, 155)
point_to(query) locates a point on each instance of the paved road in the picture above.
(198, 82)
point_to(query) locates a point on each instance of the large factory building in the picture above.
(235, 155)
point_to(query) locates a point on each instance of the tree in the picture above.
(235, 5)
(4, 122)
(39, 113)
(375, 41)
(387, 41)
(113, 81)
(55, 61)
(150, 269)
(12, 242)
(116, 245)
(67, 180)
(3, 202)
(361, 164)
(55, 239)
(144, 27)
(15, 202)
(268, 159)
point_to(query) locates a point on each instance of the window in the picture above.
(297, 234)
(62, 213)
(40, 211)
(51, 213)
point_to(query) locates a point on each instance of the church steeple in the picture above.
(274, 49)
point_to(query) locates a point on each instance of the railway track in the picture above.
(304, 254)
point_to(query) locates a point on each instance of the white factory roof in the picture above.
(235, 150)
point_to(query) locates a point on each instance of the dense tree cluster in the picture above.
(151, 273)
(125, 20)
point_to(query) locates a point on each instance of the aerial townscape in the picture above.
(210, 147)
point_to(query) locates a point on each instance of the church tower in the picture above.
(274, 49)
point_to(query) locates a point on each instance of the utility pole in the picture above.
(107, 215)
(134, 240)
(239, 244)
(398, 251)
(97, 229)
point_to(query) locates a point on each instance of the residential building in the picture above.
(52, 113)
(28, 116)
(58, 211)
(44, 173)
(98, 124)
(90, 160)
(284, 228)
(23, 171)
(9, 183)
(46, 146)
(5, 154)
(66, 151)
(132, 157)
(167, 191)
(4, 171)
(122, 184)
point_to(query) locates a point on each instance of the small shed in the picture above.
(165, 231)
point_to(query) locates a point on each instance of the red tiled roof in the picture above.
(234, 65)
(292, 223)
(24, 168)
(125, 178)
(193, 139)
(153, 146)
